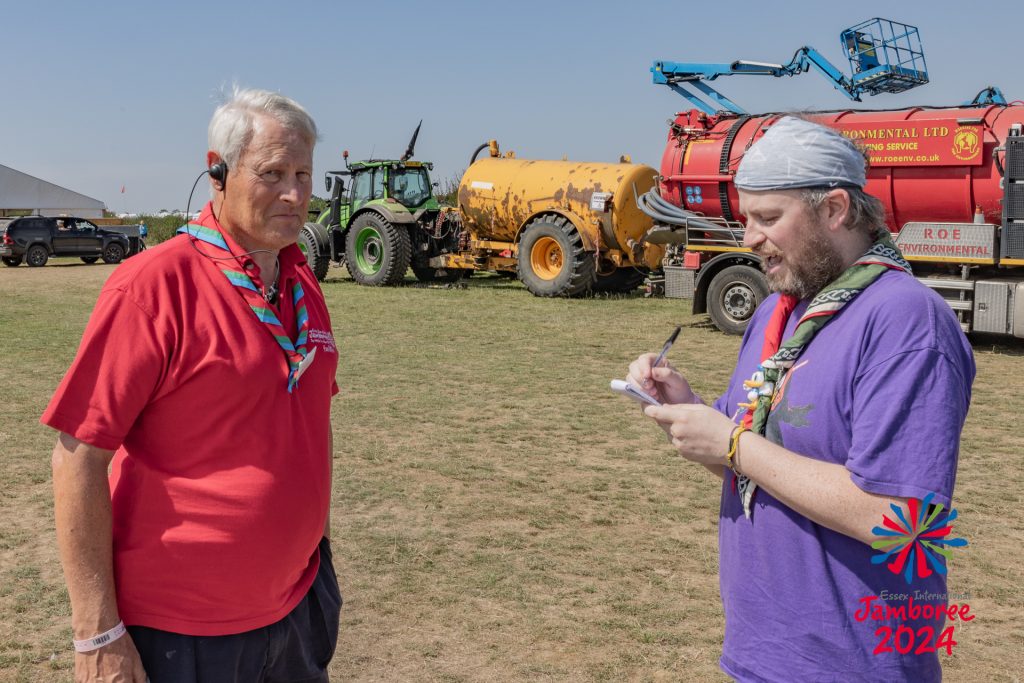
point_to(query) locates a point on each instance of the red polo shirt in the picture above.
(221, 478)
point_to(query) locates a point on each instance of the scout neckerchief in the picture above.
(295, 352)
(882, 256)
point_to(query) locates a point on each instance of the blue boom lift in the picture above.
(885, 57)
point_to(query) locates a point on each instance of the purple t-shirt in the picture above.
(883, 389)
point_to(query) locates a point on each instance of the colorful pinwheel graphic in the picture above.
(917, 543)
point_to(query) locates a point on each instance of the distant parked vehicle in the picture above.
(34, 239)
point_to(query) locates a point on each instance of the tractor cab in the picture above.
(406, 183)
(409, 184)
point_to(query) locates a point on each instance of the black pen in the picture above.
(667, 346)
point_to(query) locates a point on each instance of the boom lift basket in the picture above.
(885, 56)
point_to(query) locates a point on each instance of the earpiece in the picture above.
(219, 172)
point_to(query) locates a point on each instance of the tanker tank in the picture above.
(926, 163)
(574, 226)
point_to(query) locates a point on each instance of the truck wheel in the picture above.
(90, 259)
(552, 261)
(428, 274)
(377, 252)
(113, 253)
(733, 295)
(315, 250)
(623, 280)
(36, 256)
(12, 261)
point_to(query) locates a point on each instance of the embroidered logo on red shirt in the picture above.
(324, 339)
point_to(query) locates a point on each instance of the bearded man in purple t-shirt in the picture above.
(849, 395)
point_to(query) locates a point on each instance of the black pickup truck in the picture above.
(34, 239)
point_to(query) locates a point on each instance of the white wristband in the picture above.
(102, 639)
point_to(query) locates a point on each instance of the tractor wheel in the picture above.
(622, 281)
(552, 261)
(428, 274)
(113, 253)
(377, 252)
(315, 250)
(733, 295)
(36, 256)
(90, 259)
(12, 261)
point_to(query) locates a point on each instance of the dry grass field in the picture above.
(499, 515)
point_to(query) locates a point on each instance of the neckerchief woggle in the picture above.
(775, 360)
(295, 352)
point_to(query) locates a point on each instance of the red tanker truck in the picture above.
(951, 180)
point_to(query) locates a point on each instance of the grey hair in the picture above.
(866, 213)
(234, 122)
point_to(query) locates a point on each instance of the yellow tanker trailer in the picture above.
(564, 227)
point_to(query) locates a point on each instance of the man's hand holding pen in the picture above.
(654, 375)
(699, 432)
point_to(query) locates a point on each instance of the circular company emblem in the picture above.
(966, 143)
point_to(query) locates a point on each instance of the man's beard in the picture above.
(808, 268)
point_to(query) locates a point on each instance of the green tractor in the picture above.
(383, 221)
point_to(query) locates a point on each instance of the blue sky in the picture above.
(100, 95)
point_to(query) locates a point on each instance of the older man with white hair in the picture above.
(849, 395)
(204, 381)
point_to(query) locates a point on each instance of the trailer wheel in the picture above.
(90, 259)
(36, 256)
(622, 281)
(733, 295)
(552, 261)
(315, 249)
(376, 252)
(12, 261)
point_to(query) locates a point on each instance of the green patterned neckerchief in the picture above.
(882, 256)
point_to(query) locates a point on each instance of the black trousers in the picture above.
(295, 649)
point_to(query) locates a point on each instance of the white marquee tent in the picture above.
(20, 193)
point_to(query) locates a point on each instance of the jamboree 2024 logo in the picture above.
(915, 545)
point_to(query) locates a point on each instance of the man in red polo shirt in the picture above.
(204, 380)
